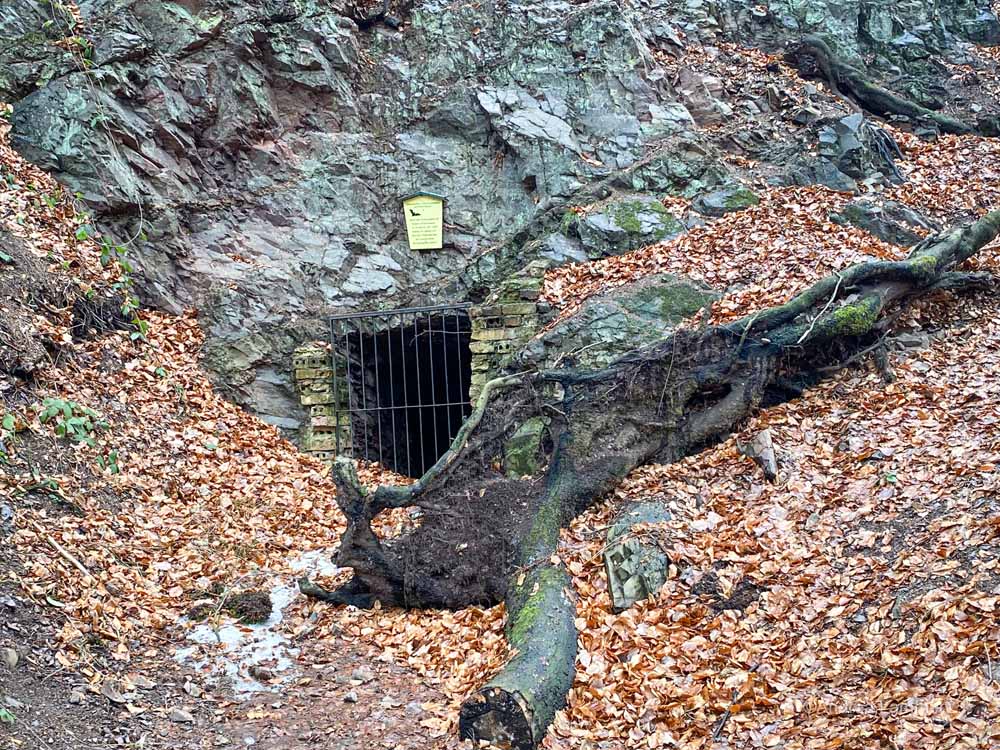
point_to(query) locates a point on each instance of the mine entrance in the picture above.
(404, 377)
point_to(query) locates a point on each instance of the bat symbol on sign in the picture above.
(413, 213)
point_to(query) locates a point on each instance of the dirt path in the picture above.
(341, 699)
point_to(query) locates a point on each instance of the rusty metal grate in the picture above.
(401, 383)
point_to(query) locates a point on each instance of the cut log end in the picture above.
(499, 717)
(515, 709)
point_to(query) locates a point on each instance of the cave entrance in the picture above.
(402, 382)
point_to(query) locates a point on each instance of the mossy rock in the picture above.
(889, 221)
(521, 452)
(611, 324)
(624, 224)
(725, 200)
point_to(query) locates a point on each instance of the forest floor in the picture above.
(853, 603)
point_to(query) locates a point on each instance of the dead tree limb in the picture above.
(485, 537)
(847, 79)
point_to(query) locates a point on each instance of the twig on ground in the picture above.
(61, 550)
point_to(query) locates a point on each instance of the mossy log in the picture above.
(485, 537)
(847, 79)
(516, 707)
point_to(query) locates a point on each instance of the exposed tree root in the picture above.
(847, 79)
(484, 537)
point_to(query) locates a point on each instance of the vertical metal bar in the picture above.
(444, 360)
(392, 395)
(334, 327)
(420, 391)
(462, 396)
(378, 397)
(362, 340)
(350, 390)
(406, 398)
(433, 389)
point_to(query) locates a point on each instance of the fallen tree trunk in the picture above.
(516, 707)
(485, 537)
(847, 79)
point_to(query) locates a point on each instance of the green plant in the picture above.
(117, 254)
(8, 429)
(49, 488)
(73, 421)
(6, 717)
(109, 462)
(82, 48)
(45, 485)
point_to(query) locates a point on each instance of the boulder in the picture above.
(521, 451)
(812, 171)
(725, 200)
(623, 224)
(636, 566)
(860, 149)
(611, 324)
(890, 221)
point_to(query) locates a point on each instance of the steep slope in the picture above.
(261, 148)
(852, 603)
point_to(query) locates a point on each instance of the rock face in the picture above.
(252, 155)
(28, 59)
(896, 34)
(612, 324)
(255, 153)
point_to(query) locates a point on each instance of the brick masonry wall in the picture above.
(322, 395)
(502, 324)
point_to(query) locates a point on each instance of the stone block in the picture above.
(487, 323)
(636, 568)
(309, 356)
(343, 420)
(519, 308)
(521, 451)
(495, 334)
(310, 399)
(328, 441)
(315, 373)
(481, 347)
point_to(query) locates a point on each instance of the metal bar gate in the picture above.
(401, 384)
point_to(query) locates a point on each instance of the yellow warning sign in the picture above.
(424, 214)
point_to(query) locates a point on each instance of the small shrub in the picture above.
(73, 421)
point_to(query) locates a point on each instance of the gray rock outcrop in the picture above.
(252, 154)
(255, 153)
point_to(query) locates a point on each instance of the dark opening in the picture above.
(408, 374)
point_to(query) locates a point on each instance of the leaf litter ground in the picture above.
(867, 575)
